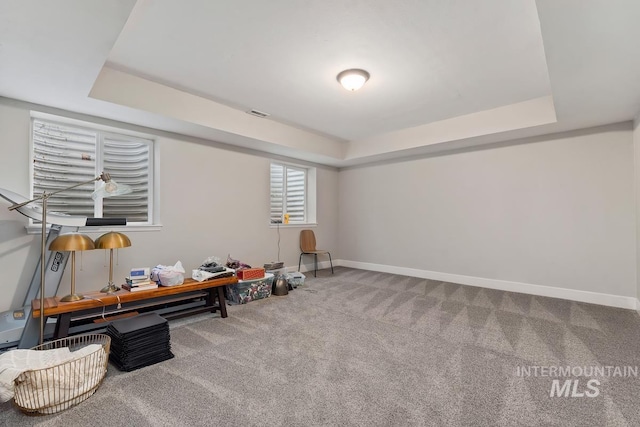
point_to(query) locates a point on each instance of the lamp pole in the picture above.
(43, 250)
(43, 267)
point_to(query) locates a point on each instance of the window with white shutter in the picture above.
(66, 154)
(289, 193)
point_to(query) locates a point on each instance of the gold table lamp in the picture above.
(72, 242)
(112, 240)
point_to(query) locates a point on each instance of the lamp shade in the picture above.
(110, 188)
(112, 240)
(72, 242)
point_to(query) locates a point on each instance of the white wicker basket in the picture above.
(53, 389)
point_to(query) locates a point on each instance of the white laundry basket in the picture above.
(53, 389)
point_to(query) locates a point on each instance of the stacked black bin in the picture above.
(139, 341)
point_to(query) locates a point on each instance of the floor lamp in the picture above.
(108, 189)
(112, 240)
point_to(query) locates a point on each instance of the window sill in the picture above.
(297, 225)
(36, 229)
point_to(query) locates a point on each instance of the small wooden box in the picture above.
(250, 273)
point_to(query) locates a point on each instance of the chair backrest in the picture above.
(307, 241)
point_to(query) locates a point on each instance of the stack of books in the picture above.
(274, 265)
(139, 283)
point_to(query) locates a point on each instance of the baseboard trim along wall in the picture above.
(304, 268)
(502, 285)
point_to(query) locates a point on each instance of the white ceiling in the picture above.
(444, 73)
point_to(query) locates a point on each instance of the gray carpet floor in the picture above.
(360, 348)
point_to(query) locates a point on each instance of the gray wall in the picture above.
(213, 201)
(556, 211)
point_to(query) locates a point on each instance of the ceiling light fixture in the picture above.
(353, 79)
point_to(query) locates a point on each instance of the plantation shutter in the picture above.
(295, 192)
(277, 192)
(288, 193)
(64, 155)
(127, 161)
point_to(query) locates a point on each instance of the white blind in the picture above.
(277, 192)
(288, 193)
(127, 160)
(64, 155)
(295, 194)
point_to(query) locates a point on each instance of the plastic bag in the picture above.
(212, 260)
(168, 275)
(212, 265)
(235, 264)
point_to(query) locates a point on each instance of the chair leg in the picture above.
(315, 265)
(330, 262)
(300, 261)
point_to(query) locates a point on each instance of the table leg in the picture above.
(62, 326)
(221, 301)
(210, 299)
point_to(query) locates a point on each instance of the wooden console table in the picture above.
(96, 303)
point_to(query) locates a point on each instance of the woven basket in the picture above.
(56, 388)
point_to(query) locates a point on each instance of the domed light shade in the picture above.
(112, 240)
(353, 79)
(72, 242)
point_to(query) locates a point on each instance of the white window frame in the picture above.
(153, 217)
(310, 195)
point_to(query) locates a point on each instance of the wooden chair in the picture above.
(308, 247)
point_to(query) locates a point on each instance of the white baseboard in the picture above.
(502, 285)
(309, 266)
